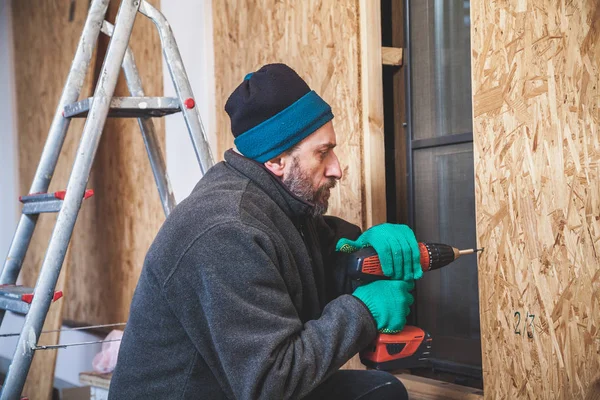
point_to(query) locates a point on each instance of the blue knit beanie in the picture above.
(272, 110)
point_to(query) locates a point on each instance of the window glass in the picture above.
(441, 68)
(447, 299)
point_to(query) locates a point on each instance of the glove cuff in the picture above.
(368, 310)
(365, 298)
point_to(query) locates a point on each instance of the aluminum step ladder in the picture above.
(35, 302)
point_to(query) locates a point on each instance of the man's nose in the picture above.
(333, 169)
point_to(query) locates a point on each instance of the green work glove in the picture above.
(388, 301)
(396, 247)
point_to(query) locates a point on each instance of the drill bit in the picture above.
(469, 251)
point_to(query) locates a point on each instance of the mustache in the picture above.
(332, 183)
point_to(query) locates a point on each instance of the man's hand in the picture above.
(388, 301)
(396, 247)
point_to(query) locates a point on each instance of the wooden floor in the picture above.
(95, 379)
(418, 388)
(429, 389)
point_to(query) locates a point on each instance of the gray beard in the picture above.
(299, 184)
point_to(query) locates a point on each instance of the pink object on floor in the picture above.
(106, 360)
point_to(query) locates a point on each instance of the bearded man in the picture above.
(236, 299)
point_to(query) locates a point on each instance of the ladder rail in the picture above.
(56, 137)
(50, 271)
(55, 140)
(180, 80)
(157, 162)
(118, 55)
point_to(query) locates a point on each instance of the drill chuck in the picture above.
(436, 255)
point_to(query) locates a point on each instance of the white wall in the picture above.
(191, 22)
(8, 157)
(8, 143)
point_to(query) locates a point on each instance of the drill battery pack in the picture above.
(410, 348)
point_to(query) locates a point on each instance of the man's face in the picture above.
(312, 169)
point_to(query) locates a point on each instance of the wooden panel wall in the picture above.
(117, 225)
(41, 65)
(336, 47)
(536, 97)
(322, 41)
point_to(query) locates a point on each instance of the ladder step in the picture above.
(37, 203)
(17, 298)
(127, 107)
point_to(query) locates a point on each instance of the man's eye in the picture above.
(323, 153)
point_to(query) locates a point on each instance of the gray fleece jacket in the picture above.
(235, 298)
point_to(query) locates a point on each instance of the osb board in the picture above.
(536, 86)
(116, 226)
(336, 47)
(40, 67)
(321, 41)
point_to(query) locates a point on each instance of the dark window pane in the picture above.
(441, 68)
(447, 299)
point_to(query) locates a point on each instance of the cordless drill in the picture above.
(410, 347)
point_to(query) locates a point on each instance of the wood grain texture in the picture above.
(321, 41)
(420, 388)
(115, 229)
(95, 379)
(41, 66)
(536, 97)
(372, 113)
(392, 56)
(117, 225)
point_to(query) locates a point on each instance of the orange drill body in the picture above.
(411, 347)
(432, 256)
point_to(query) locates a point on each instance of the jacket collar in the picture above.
(271, 184)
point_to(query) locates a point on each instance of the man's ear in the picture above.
(276, 165)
